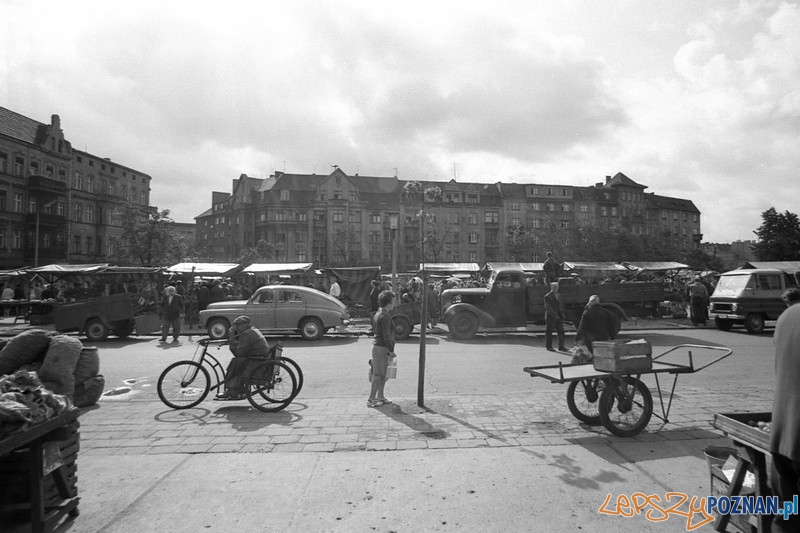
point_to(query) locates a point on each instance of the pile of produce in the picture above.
(62, 364)
(25, 402)
(763, 426)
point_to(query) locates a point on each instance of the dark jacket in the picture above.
(597, 324)
(171, 310)
(553, 307)
(248, 343)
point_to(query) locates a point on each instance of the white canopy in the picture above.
(200, 269)
(277, 268)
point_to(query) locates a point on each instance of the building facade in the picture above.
(58, 204)
(340, 220)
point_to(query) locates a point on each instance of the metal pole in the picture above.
(36, 244)
(424, 317)
(394, 260)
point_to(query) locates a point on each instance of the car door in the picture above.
(261, 309)
(290, 308)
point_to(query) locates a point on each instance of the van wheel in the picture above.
(723, 324)
(754, 323)
(96, 330)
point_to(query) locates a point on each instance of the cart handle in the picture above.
(727, 351)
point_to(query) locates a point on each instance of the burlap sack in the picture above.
(58, 368)
(88, 364)
(27, 347)
(88, 392)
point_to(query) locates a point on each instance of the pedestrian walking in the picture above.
(698, 301)
(171, 310)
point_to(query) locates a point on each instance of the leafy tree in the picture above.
(778, 237)
(146, 238)
(436, 236)
(519, 243)
(262, 252)
(551, 237)
(697, 259)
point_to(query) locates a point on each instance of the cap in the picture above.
(241, 320)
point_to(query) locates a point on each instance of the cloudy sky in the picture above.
(693, 99)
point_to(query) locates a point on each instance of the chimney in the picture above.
(55, 122)
(608, 178)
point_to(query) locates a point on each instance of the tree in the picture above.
(519, 243)
(146, 238)
(436, 236)
(346, 244)
(697, 259)
(778, 237)
(262, 252)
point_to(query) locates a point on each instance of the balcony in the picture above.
(38, 183)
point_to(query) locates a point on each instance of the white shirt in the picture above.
(335, 291)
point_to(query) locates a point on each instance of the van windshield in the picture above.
(733, 284)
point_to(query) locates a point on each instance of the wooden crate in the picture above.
(622, 356)
(719, 487)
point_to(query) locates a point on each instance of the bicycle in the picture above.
(271, 382)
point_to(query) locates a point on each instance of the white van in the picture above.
(750, 297)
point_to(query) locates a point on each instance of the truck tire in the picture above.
(464, 325)
(402, 328)
(95, 330)
(723, 324)
(218, 328)
(754, 323)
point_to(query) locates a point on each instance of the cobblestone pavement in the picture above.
(346, 424)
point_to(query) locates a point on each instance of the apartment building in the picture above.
(342, 220)
(59, 204)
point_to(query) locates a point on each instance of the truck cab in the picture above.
(749, 297)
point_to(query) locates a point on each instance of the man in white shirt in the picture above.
(335, 290)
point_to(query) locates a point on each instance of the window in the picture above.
(613, 211)
(473, 237)
(280, 215)
(2, 238)
(515, 221)
(535, 206)
(375, 218)
(302, 256)
(133, 195)
(584, 208)
(60, 208)
(515, 206)
(354, 217)
(473, 219)
(17, 240)
(3, 162)
(454, 218)
(124, 192)
(34, 168)
(49, 171)
(535, 223)
(472, 257)
(285, 195)
(302, 216)
(77, 212)
(89, 216)
(565, 208)
(18, 202)
(473, 199)
(62, 174)
(603, 211)
(77, 181)
(491, 217)
(90, 184)
(551, 207)
(31, 204)
(19, 165)
(3, 200)
(534, 190)
(565, 224)
(338, 215)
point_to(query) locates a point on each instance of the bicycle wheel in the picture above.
(582, 400)
(626, 406)
(271, 386)
(298, 373)
(183, 384)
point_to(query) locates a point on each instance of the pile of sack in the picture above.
(62, 363)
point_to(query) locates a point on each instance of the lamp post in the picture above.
(393, 226)
(36, 244)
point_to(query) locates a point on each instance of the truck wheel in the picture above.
(463, 325)
(723, 324)
(754, 323)
(96, 330)
(218, 328)
(402, 327)
(311, 329)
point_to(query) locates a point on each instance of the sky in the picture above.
(693, 99)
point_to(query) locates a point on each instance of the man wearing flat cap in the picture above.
(245, 342)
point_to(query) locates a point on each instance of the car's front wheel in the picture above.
(218, 328)
(311, 329)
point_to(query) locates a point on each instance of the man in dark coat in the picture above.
(597, 323)
(554, 318)
(552, 268)
(171, 310)
(784, 442)
(203, 297)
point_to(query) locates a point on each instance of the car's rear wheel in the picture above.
(311, 329)
(218, 328)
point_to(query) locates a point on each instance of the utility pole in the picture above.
(424, 318)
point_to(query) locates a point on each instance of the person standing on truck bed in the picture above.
(171, 310)
(554, 318)
(597, 324)
(552, 268)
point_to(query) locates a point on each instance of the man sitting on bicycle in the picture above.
(245, 342)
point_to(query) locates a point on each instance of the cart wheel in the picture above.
(626, 406)
(582, 400)
(183, 384)
(271, 386)
(298, 373)
(402, 328)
